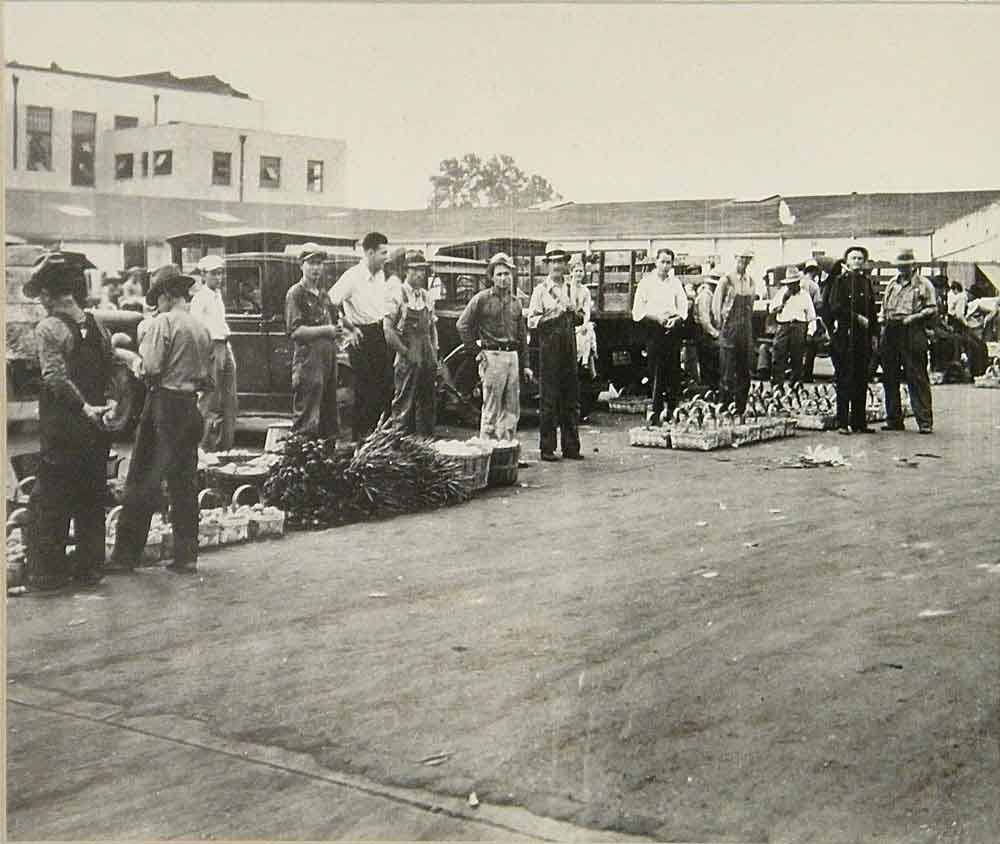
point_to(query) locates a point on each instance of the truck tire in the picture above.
(462, 390)
(130, 394)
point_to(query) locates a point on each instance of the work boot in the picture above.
(550, 457)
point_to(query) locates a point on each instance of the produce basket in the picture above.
(701, 440)
(264, 522)
(817, 422)
(235, 527)
(649, 437)
(632, 406)
(471, 460)
(16, 558)
(151, 552)
(745, 434)
(166, 531)
(503, 463)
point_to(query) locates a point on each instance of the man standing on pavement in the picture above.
(177, 362)
(493, 319)
(732, 310)
(796, 317)
(706, 331)
(661, 306)
(360, 294)
(410, 331)
(219, 407)
(554, 312)
(810, 284)
(74, 353)
(314, 356)
(908, 307)
(855, 329)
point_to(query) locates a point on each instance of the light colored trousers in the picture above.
(501, 377)
(219, 407)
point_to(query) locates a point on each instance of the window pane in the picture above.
(84, 125)
(270, 171)
(242, 294)
(163, 162)
(222, 168)
(145, 164)
(123, 121)
(314, 177)
(39, 119)
(124, 165)
(39, 124)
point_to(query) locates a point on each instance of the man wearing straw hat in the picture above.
(706, 331)
(493, 319)
(556, 309)
(795, 314)
(908, 307)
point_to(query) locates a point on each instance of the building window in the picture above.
(82, 152)
(124, 121)
(270, 171)
(145, 164)
(124, 165)
(222, 168)
(163, 162)
(314, 177)
(39, 138)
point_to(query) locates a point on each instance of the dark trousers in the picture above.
(852, 362)
(735, 374)
(70, 485)
(788, 352)
(373, 380)
(559, 388)
(413, 405)
(166, 448)
(904, 358)
(663, 356)
(809, 358)
(708, 360)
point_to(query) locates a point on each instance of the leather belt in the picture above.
(500, 347)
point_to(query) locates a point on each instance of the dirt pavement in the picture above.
(818, 662)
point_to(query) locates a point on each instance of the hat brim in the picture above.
(308, 256)
(787, 280)
(178, 285)
(419, 265)
(557, 256)
(909, 262)
(860, 249)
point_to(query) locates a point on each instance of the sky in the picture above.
(609, 102)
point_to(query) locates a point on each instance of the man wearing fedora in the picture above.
(661, 307)
(795, 314)
(706, 331)
(853, 312)
(908, 308)
(177, 362)
(555, 310)
(219, 407)
(411, 332)
(494, 320)
(314, 354)
(75, 356)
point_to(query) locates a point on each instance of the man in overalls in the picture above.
(554, 313)
(410, 331)
(177, 362)
(908, 305)
(314, 357)
(855, 318)
(732, 310)
(75, 355)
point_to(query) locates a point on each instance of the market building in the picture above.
(113, 165)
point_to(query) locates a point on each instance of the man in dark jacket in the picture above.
(854, 314)
(76, 360)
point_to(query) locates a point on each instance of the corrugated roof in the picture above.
(50, 215)
(161, 79)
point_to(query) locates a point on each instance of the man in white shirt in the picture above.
(360, 295)
(219, 407)
(661, 306)
(796, 317)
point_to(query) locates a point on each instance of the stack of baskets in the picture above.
(471, 458)
(650, 437)
(631, 405)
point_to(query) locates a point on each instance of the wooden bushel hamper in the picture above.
(503, 463)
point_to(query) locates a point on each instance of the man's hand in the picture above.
(528, 376)
(219, 355)
(862, 320)
(95, 413)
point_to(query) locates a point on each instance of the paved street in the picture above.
(818, 661)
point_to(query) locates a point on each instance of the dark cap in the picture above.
(855, 248)
(169, 280)
(57, 272)
(556, 253)
(415, 260)
(311, 250)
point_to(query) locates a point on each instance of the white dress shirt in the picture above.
(659, 298)
(361, 293)
(798, 308)
(208, 308)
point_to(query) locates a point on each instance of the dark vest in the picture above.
(88, 366)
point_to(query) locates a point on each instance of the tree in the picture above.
(473, 182)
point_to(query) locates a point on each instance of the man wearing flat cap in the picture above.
(411, 332)
(555, 310)
(854, 314)
(310, 325)
(219, 407)
(74, 352)
(494, 320)
(176, 353)
(908, 307)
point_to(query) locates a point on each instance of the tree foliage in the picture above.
(497, 181)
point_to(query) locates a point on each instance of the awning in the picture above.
(992, 273)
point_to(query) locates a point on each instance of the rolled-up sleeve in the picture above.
(53, 346)
(153, 348)
(535, 309)
(468, 323)
(342, 289)
(639, 306)
(295, 318)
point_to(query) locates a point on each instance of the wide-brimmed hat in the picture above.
(905, 258)
(856, 248)
(210, 263)
(792, 276)
(168, 280)
(713, 275)
(811, 264)
(501, 259)
(746, 252)
(556, 253)
(415, 260)
(58, 272)
(311, 250)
